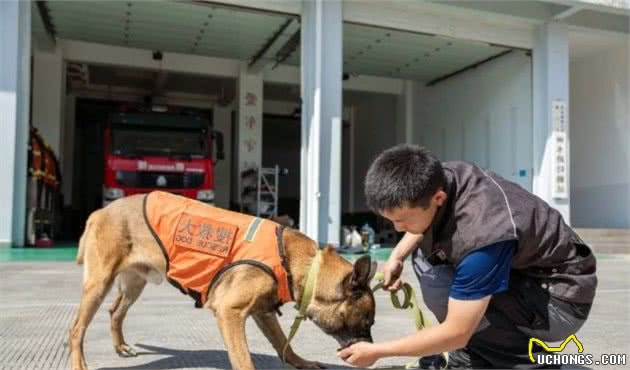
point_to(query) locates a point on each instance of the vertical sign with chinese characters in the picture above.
(559, 145)
(250, 128)
(250, 117)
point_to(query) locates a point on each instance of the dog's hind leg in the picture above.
(130, 286)
(270, 327)
(95, 288)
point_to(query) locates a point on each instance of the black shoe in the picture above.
(434, 362)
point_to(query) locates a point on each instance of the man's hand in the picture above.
(362, 354)
(392, 269)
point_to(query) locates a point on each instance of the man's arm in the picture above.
(392, 269)
(481, 274)
(461, 322)
(405, 246)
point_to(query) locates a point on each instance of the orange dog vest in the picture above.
(200, 242)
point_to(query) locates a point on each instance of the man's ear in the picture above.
(362, 272)
(439, 197)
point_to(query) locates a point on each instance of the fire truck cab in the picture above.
(146, 151)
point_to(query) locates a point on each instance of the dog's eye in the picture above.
(356, 294)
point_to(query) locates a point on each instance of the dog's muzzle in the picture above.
(347, 343)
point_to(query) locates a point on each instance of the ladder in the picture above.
(267, 191)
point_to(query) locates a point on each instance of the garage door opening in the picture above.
(143, 118)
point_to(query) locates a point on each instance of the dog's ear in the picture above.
(362, 273)
(373, 269)
(329, 248)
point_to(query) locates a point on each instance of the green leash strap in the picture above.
(411, 305)
(307, 295)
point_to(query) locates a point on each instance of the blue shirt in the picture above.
(483, 272)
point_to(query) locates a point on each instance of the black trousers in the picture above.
(524, 311)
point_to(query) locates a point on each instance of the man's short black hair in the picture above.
(404, 175)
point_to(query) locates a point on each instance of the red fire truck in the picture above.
(146, 151)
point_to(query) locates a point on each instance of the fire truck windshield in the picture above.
(129, 140)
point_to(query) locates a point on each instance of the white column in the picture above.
(408, 92)
(405, 110)
(250, 100)
(15, 46)
(48, 97)
(551, 121)
(320, 203)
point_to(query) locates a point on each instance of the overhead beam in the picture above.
(268, 53)
(441, 20)
(138, 94)
(288, 7)
(290, 75)
(467, 68)
(568, 12)
(601, 21)
(99, 54)
(420, 16)
(519, 11)
(610, 7)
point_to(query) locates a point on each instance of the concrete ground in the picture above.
(39, 301)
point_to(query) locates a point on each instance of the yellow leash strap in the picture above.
(410, 304)
(307, 295)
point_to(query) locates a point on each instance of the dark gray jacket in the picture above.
(482, 209)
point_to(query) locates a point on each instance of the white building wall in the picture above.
(15, 77)
(600, 139)
(483, 116)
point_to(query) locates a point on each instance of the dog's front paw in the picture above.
(79, 365)
(125, 350)
(308, 365)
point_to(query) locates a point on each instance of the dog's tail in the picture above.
(86, 235)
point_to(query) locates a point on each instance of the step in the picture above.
(615, 241)
(597, 233)
(605, 235)
(611, 248)
(601, 240)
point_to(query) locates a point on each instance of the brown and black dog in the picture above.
(117, 242)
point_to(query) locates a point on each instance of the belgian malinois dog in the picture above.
(118, 242)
